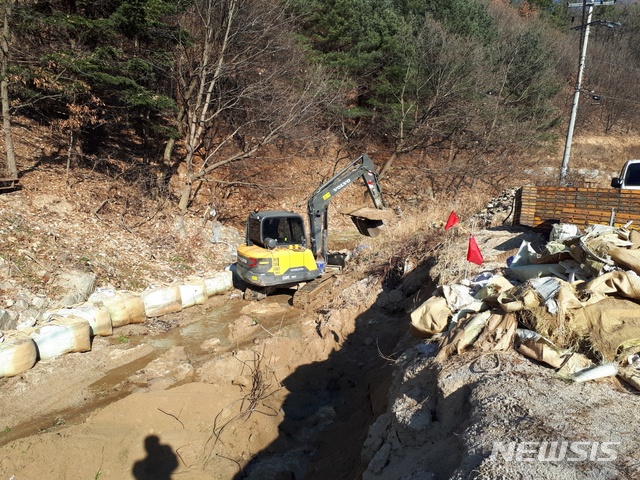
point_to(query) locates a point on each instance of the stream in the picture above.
(326, 403)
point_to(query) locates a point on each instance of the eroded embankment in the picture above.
(470, 417)
(333, 399)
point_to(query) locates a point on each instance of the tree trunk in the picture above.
(388, 163)
(11, 167)
(184, 197)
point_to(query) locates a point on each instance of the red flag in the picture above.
(473, 253)
(453, 219)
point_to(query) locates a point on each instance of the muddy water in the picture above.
(329, 404)
(188, 328)
(211, 321)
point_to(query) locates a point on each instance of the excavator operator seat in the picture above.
(286, 230)
(270, 229)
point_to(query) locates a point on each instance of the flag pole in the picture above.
(466, 265)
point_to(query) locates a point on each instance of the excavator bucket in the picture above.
(368, 227)
(369, 221)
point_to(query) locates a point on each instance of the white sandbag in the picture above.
(218, 283)
(124, 307)
(594, 373)
(62, 335)
(193, 292)
(161, 301)
(17, 353)
(97, 315)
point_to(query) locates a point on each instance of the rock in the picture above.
(380, 460)
(211, 344)
(241, 381)
(242, 328)
(375, 437)
(74, 286)
(39, 302)
(8, 319)
(30, 314)
(391, 301)
(21, 303)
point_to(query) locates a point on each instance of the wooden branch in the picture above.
(104, 202)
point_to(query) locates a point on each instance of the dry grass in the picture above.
(419, 235)
(554, 327)
(451, 262)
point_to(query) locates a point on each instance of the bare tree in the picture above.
(242, 85)
(610, 86)
(438, 75)
(10, 160)
(508, 108)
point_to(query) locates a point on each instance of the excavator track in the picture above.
(307, 295)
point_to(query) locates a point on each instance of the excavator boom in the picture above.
(361, 167)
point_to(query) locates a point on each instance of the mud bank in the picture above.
(262, 391)
(498, 416)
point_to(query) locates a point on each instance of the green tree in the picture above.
(467, 18)
(95, 69)
(421, 102)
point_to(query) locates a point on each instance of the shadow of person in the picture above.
(159, 462)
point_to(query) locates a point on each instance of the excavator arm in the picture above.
(318, 204)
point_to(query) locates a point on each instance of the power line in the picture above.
(614, 97)
(622, 67)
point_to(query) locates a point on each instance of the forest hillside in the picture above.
(196, 102)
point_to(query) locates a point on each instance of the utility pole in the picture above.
(585, 4)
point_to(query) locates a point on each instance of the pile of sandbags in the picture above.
(67, 330)
(575, 306)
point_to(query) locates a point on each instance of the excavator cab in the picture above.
(272, 229)
(275, 251)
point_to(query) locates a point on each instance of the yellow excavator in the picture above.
(277, 253)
